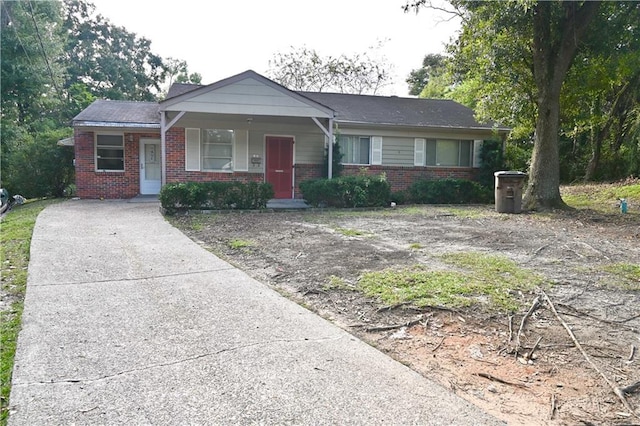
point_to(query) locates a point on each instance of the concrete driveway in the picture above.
(127, 321)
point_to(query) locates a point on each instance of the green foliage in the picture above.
(336, 162)
(347, 191)
(37, 167)
(491, 160)
(176, 197)
(112, 62)
(627, 275)
(15, 241)
(448, 191)
(433, 65)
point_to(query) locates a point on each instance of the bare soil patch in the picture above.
(316, 258)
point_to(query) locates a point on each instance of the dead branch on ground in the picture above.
(393, 327)
(534, 306)
(635, 387)
(499, 380)
(615, 388)
(439, 344)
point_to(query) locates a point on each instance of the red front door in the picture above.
(280, 165)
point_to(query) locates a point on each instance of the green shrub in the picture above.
(448, 191)
(347, 191)
(215, 196)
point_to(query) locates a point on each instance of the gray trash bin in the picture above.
(509, 191)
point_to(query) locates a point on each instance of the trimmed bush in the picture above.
(176, 197)
(347, 191)
(448, 191)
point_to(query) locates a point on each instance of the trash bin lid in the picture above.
(510, 173)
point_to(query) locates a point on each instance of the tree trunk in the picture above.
(554, 47)
(543, 191)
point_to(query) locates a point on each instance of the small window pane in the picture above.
(216, 164)
(110, 164)
(214, 150)
(447, 154)
(110, 140)
(465, 153)
(218, 136)
(431, 153)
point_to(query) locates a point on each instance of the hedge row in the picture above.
(447, 191)
(347, 191)
(215, 196)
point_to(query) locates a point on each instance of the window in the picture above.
(355, 149)
(449, 152)
(217, 149)
(110, 153)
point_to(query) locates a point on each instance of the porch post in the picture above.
(163, 148)
(330, 153)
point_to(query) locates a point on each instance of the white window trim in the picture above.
(233, 152)
(95, 152)
(424, 154)
(370, 163)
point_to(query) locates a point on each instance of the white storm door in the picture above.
(150, 166)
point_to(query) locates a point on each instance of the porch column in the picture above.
(163, 140)
(329, 134)
(330, 153)
(163, 148)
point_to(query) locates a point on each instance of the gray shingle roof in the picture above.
(130, 113)
(393, 110)
(178, 89)
(361, 109)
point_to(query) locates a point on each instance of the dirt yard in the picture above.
(316, 258)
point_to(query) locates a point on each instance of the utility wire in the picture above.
(44, 53)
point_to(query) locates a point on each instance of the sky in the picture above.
(219, 39)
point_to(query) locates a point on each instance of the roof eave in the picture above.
(418, 126)
(113, 124)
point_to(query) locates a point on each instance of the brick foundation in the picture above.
(400, 178)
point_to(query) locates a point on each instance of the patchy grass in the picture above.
(15, 240)
(238, 244)
(350, 232)
(602, 197)
(627, 275)
(415, 246)
(468, 212)
(494, 279)
(337, 283)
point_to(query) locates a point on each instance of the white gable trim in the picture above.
(266, 97)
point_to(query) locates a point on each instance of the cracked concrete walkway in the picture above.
(127, 321)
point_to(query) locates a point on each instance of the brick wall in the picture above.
(305, 172)
(401, 178)
(92, 184)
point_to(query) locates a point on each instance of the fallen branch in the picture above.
(499, 380)
(510, 328)
(552, 412)
(391, 307)
(438, 345)
(615, 389)
(533, 307)
(529, 355)
(393, 327)
(633, 353)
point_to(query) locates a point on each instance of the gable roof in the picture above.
(104, 113)
(244, 93)
(345, 108)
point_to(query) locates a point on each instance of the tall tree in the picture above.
(516, 39)
(110, 61)
(305, 69)
(433, 65)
